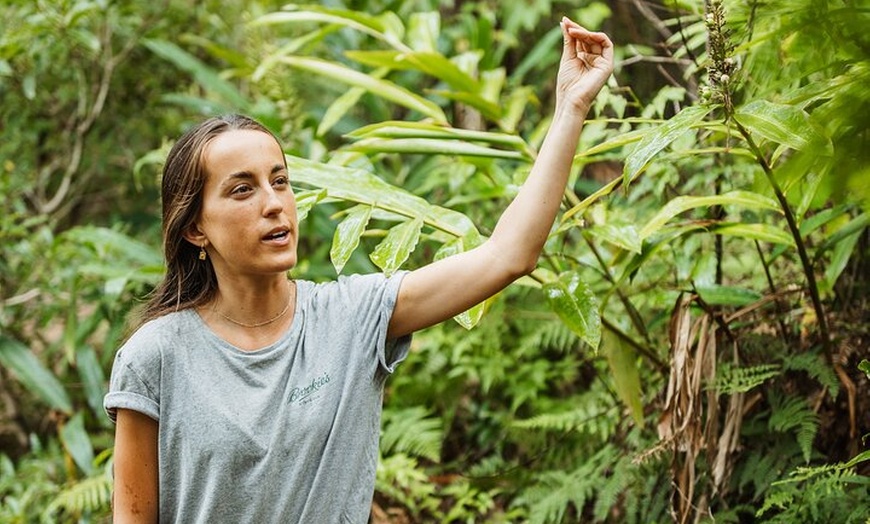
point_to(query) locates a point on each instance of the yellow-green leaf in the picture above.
(23, 364)
(398, 245)
(783, 124)
(382, 88)
(658, 138)
(622, 361)
(681, 204)
(347, 234)
(574, 302)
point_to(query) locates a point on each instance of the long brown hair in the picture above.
(188, 282)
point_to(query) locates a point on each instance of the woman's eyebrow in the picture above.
(241, 175)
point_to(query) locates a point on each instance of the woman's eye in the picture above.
(240, 190)
(281, 181)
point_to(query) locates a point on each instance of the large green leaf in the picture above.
(487, 108)
(763, 232)
(397, 246)
(574, 302)
(680, 204)
(92, 377)
(24, 365)
(431, 63)
(347, 234)
(430, 146)
(622, 361)
(624, 236)
(783, 124)
(77, 443)
(399, 129)
(658, 138)
(382, 88)
(363, 187)
(423, 30)
(727, 295)
(385, 28)
(204, 75)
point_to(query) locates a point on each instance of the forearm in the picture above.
(523, 228)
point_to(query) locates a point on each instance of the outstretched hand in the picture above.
(587, 62)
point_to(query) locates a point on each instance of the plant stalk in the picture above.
(801, 248)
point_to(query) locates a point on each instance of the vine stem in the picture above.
(796, 234)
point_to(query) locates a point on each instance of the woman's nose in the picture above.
(273, 203)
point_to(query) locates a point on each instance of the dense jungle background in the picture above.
(693, 346)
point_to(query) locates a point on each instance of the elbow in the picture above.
(527, 269)
(512, 263)
(521, 267)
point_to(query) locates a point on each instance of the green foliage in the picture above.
(827, 493)
(731, 379)
(408, 131)
(412, 432)
(793, 413)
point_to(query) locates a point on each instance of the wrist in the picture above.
(574, 110)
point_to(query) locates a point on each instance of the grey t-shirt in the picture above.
(287, 433)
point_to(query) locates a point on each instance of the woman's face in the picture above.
(248, 216)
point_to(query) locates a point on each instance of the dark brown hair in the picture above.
(188, 282)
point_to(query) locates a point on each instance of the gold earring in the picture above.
(202, 254)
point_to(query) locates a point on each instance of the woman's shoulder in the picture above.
(153, 336)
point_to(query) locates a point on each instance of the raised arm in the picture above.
(449, 286)
(135, 497)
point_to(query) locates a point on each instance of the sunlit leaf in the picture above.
(840, 256)
(347, 234)
(658, 138)
(23, 364)
(622, 361)
(624, 236)
(487, 108)
(378, 87)
(76, 442)
(727, 295)
(204, 75)
(399, 129)
(339, 108)
(398, 245)
(305, 200)
(92, 377)
(574, 302)
(426, 146)
(429, 62)
(680, 204)
(375, 26)
(783, 124)
(763, 232)
(423, 30)
(363, 187)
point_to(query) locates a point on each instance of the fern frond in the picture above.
(816, 367)
(731, 379)
(401, 479)
(597, 421)
(819, 494)
(792, 413)
(85, 496)
(615, 484)
(553, 335)
(555, 491)
(412, 431)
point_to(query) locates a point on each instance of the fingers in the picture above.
(578, 39)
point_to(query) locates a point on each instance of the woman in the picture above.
(248, 397)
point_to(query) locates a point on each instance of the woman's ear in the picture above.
(195, 236)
